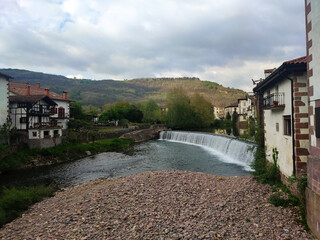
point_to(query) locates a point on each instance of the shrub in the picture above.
(14, 201)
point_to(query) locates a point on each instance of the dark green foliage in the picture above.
(228, 117)
(234, 124)
(151, 112)
(14, 201)
(122, 110)
(188, 112)
(62, 152)
(280, 200)
(78, 112)
(78, 124)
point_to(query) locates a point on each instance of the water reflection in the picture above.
(149, 156)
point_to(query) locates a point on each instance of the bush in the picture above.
(14, 201)
(62, 152)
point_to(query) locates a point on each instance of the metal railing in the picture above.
(274, 100)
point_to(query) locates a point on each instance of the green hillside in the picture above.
(90, 92)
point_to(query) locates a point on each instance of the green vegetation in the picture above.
(151, 112)
(121, 111)
(188, 112)
(269, 173)
(14, 201)
(234, 124)
(61, 153)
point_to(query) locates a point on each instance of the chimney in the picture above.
(28, 90)
(65, 95)
(46, 91)
(38, 85)
(267, 72)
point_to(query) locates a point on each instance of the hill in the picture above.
(92, 92)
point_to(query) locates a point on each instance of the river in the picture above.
(147, 156)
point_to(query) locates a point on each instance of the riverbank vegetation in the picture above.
(269, 173)
(14, 201)
(61, 153)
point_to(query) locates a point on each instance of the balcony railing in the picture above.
(275, 100)
(46, 125)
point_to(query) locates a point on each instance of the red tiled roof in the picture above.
(20, 89)
(297, 60)
(31, 99)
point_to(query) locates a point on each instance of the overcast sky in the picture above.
(225, 41)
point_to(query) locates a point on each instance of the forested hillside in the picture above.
(91, 92)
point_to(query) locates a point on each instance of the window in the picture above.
(46, 134)
(317, 121)
(277, 127)
(34, 134)
(23, 120)
(61, 112)
(287, 125)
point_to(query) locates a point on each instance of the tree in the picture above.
(202, 109)
(151, 112)
(180, 114)
(234, 124)
(5, 130)
(78, 112)
(122, 110)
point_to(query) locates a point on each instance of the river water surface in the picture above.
(149, 156)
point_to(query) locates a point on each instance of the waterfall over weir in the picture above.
(230, 149)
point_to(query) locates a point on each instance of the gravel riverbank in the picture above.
(159, 205)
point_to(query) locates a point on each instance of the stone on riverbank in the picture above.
(160, 205)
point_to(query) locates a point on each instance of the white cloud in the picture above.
(223, 41)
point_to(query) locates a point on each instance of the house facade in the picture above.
(30, 114)
(218, 112)
(4, 98)
(231, 108)
(62, 110)
(283, 108)
(312, 8)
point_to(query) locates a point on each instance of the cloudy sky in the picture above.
(225, 41)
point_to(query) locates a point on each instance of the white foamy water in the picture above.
(229, 149)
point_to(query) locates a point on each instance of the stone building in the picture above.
(312, 8)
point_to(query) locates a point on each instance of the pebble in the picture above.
(160, 205)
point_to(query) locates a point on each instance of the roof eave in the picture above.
(281, 72)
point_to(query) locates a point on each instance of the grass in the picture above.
(14, 201)
(61, 153)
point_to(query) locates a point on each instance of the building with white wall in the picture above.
(61, 111)
(4, 98)
(312, 8)
(218, 112)
(283, 98)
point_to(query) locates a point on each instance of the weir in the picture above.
(229, 148)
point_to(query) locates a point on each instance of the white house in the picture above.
(4, 98)
(61, 111)
(283, 98)
(31, 114)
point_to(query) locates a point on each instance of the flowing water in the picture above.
(168, 153)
